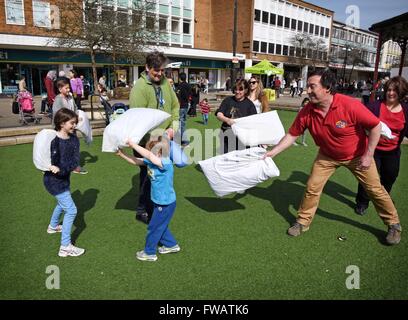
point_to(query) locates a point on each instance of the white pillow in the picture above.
(238, 171)
(133, 124)
(42, 149)
(84, 126)
(385, 131)
(262, 128)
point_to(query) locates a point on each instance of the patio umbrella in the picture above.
(264, 67)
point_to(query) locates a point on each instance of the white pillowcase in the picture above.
(42, 149)
(385, 131)
(262, 128)
(133, 124)
(84, 126)
(238, 171)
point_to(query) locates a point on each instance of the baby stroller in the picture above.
(112, 112)
(24, 106)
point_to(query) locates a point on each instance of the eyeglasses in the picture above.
(158, 70)
(252, 82)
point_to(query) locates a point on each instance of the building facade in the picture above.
(266, 29)
(353, 52)
(26, 49)
(390, 55)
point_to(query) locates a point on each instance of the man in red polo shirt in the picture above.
(337, 124)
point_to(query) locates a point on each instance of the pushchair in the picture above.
(112, 112)
(24, 106)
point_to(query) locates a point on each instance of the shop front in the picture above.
(35, 64)
(216, 71)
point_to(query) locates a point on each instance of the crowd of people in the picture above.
(346, 132)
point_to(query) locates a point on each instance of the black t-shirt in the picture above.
(233, 109)
(183, 94)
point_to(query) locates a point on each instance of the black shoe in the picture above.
(360, 209)
(143, 216)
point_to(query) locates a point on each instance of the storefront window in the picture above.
(9, 77)
(14, 11)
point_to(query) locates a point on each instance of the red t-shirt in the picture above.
(396, 122)
(205, 107)
(341, 134)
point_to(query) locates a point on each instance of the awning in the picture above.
(264, 67)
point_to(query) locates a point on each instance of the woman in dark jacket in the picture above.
(394, 113)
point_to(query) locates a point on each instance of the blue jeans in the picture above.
(65, 204)
(205, 118)
(183, 119)
(158, 228)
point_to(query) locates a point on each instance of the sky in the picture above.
(370, 11)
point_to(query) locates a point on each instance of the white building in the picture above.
(390, 55)
(277, 23)
(353, 52)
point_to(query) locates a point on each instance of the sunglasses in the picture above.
(252, 82)
(239, 89)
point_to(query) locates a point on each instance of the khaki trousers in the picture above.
(324, 167)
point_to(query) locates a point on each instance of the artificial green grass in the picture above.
(232, 248)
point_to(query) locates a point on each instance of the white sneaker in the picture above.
(143, 256)
(51, 230)
(70, 250)
(164, 250)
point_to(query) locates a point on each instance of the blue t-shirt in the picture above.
(162, 191)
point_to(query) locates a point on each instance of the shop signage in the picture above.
(10, 89)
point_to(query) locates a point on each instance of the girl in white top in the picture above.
(257, 96)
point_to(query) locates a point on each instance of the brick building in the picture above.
(25, 48)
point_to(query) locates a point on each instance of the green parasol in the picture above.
(264, 67)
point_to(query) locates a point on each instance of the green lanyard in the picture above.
(159, 97)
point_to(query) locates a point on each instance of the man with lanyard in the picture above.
(153, 90)
(337, 124)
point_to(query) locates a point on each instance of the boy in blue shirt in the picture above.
(160, 171)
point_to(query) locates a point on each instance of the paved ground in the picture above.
(9, 120)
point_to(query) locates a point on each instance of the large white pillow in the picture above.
(42, 149)
(133, 124)
(385, 131)
(262, 128)
(84, 126)
(238, 171)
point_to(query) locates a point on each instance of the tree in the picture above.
(350, 54)
(129, 32)
(309, 47)
(356, 59)
(106, 26)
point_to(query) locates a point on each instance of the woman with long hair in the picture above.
(257, 95)
(394, 113)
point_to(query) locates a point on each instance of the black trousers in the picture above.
(78, 101)
(388, 164)
(145, 203)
